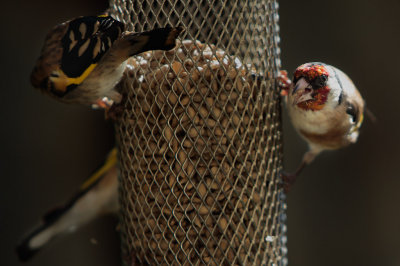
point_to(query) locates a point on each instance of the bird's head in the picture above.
(310, 89)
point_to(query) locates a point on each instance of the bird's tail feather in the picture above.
(25, 250)
(157, 39)
(75, 213)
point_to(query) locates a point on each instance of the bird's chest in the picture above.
(317, 122)
(104, 78)
(112, 75)
(323, 128)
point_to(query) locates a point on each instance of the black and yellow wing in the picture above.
(72, 50)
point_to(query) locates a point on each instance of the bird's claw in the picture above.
(288, 180)
(114, 112)
(111, 109)
(284, 83)
(103, 103)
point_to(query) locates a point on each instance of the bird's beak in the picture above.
(300, 92)
(302, 98)
(296, 87)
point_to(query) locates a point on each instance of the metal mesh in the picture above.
(200, 137)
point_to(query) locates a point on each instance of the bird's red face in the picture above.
(310, 90)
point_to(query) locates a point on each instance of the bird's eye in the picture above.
(352, 111)
(307, 89)
(320, 81)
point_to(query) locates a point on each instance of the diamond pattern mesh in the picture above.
(200, 137)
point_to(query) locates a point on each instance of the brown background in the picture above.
(344, 210)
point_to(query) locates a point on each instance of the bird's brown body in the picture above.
(325, 108)
(83, 59)
(97, 196)
(50, 56)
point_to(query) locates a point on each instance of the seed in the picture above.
(172, 98)
(176, 67)
(168, 133)
(185, 100)
(223, 223)
(193, 133)
(235, 119)
(203, 210)
(202, 190)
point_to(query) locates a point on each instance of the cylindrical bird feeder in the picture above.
(200, 136)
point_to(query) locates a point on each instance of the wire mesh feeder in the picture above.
(200, 137)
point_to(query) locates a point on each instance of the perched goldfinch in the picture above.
(325, 108)
(83, 59)
(97, 196)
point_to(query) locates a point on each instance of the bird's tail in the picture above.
(97, 195)
(157, 39)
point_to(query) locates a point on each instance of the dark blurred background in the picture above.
(344, 210)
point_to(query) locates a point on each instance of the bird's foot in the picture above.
(103, 103)
(114, 112)
(284, 83)
(288, 180)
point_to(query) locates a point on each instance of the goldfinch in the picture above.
(97, 196)
(83, 59)
(325, 108)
